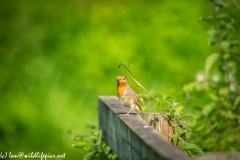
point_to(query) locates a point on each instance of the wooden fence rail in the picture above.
(132, 138)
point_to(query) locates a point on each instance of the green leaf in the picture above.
(236, 102)
(79, 145)
(182, 117)
(225, 45)
(170, 116)
(223, 16)
(178, 110)
(184, 131)
(189, 152)
(189, 87)
(180, 133)
(175, 139)
(192, 147)
(209, 18)
(211, 32)
(211, 59)
(234, 42)
(80, 138)
(91, 126)
(213, 96)
(95, 132)
(89, 156)
(175, 104)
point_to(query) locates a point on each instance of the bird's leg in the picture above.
(127, 114)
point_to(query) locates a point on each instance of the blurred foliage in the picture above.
(57, 56)
(214, 96)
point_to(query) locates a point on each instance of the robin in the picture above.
(127, 96)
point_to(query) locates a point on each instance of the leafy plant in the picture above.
(175, 117)
(218, 120)
(93, 144)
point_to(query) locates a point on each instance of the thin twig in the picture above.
(236, 3)
(137, 83)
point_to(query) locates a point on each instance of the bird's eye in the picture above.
(123, 78)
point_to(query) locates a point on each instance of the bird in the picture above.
(127, 96)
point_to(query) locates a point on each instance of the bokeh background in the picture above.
(58, 56)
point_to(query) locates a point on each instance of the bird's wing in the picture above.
(135, 98)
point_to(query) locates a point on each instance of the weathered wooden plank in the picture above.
(131, 138)
(159, 122)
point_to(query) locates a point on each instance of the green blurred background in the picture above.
(58, 56)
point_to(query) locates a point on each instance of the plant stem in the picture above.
(225, 62)
(237, 4)
(137, 83)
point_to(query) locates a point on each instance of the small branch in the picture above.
(216, 28)
(137, 83)
(236, 3)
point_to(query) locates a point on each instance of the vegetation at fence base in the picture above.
(215, 93)
(173, 112)
(93, 144)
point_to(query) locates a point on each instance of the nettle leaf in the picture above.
(184, 116)
(180, 133)
(211, 59)
(184, 130)
(170, 116)
(192, 147)
(175, 139)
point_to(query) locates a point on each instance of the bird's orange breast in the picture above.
(120, 90)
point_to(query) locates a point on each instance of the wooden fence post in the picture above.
(160, 124)
(131, 137)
